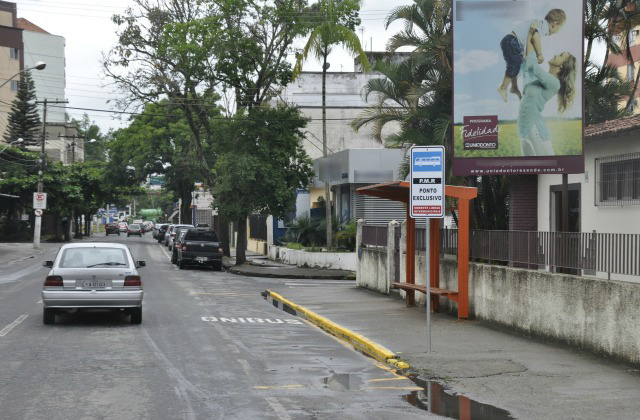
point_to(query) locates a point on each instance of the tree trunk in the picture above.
(78, 228)
(327, 184)
(241, 245)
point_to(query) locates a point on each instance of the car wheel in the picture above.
(181, 264)
(48, 316)
(136, 315)
(217, 265)
(174, 259)
(106, 234)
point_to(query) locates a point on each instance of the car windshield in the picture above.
(93, 257)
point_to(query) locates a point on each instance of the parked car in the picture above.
(200, 247)
(111, 228)
(122, 226)
(180, 232)
(93, 275)
(156, 230)
(135, 229)
(167, 235)
(172, 235)
(162, 230)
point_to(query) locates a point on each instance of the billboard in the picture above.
(517, 87)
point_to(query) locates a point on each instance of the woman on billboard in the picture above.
(535, 137)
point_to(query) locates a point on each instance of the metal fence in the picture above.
(258, 227)
(614, 253)
(374, 235)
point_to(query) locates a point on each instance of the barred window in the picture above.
(618, 180)
(14, 53)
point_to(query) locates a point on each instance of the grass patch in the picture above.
(566, 138)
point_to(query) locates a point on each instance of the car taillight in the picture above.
(220, 250)
(132, 281)
(184, 247)
(53, 281)
(176, 247)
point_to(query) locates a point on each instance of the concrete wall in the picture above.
(301, 258)
(589, 313)
(372, 270)
(256, 245)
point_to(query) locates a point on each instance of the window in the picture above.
(14, 53)
(14, 85)
(632, 37)
(618, 180)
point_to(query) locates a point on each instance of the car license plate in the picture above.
(93, 284)
(202, 259)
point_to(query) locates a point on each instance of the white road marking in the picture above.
(24, 272)
(245, 366)
(234, 349)
(40, 301)
(11, 326)
(264, 321)
(281, 412)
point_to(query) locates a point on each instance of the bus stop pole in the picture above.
(428, 284)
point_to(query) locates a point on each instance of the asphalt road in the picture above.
(209, 347)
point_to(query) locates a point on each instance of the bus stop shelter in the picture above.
(399, 191)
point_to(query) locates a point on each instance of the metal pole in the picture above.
(38, 222)
(428, 294)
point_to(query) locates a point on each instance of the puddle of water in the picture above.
(435, 399)
(343, 381)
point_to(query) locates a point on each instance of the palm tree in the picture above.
(336, 24)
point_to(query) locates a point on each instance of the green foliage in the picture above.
(93, 151)
(345, 237)
(295, 245)
(261, 162)
(307, 231)
(24, 120)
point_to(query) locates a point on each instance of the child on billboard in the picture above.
(513, 46)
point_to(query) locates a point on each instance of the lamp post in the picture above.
(40, 65)
(20, 140)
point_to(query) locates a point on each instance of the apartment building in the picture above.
(11, 59)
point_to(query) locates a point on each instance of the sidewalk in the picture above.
(14, 252)
(526, 377)
(259, 265)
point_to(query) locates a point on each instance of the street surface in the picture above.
(209, 347)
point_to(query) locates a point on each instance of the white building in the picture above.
(606, 198)
(40, 45)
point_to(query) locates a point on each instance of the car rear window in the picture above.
(134, 226)
(96, 257)
(201, 235)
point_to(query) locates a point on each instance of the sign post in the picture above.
(427, 200)
(39, 204)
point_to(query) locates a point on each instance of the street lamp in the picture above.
(20, 140)
(40, 65)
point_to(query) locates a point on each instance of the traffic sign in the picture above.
(38, 212)
(427, 198)
(39, 200)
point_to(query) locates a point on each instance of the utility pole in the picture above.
(73, 145)
(38, 225)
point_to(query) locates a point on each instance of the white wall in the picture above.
(605, 219)
(50, 82)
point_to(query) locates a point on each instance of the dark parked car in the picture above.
(156, 229)
(180, 232)
(200, 247)
(111, 228)
(134, 229)
(162, 230)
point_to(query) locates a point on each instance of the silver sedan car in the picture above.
(93, 275)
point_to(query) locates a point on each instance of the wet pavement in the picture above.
(476, 371)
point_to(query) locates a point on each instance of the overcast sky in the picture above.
(88, 31)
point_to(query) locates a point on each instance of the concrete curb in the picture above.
(358, 341)
(234, 270)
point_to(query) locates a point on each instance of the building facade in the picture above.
(11, 60)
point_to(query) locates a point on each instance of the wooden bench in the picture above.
(449, 294)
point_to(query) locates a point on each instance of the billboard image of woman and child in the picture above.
(518, 87)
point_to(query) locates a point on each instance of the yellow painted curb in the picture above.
(358, 341)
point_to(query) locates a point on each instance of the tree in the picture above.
(262, 166)
(337, 20)
(89, 130)
(24, 120)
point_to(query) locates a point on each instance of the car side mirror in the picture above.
(141, 264)
(47, 264)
